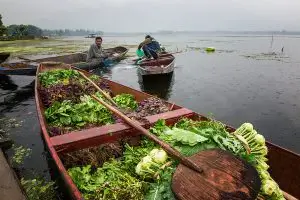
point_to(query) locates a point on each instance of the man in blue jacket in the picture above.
(150, 47)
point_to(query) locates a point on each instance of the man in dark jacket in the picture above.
(150, 47)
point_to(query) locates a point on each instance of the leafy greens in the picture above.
(126, 101)
(88, 111)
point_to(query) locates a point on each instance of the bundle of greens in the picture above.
(126, 101)
(72, 91)
(150, 165)
(108, 181)
(190, 137)
(59, 85)
(156, 168)
(147, 107)
(88, 111)
(111, 181)
(94, 156)
(54, 77)
(257, 144)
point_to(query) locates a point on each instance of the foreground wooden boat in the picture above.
(284, 164)
(3, 57)
(162, 66)
(77, 59)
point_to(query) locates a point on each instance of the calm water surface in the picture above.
(236, 84)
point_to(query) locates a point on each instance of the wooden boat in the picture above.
(162, 66)
(77, 59)
(17, 69)
(3, 56)
(284, 164)
(91, 35)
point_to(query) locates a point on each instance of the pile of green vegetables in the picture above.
(57, 76)
(88, 110)
(54, 77)
(149, 170)
(126, 101)
(65, 94)
(259, 150)
(143, 172)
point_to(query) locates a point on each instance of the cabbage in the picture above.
(160, 156)
(138, 169)
(153, 152)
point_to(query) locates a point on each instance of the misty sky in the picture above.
(153, 15)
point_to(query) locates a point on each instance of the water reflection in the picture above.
(105, 72)
(160, 86)
(6, 83)
(16, 97)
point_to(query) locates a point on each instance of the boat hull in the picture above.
(162, 66)
(27, 69)
(3, 57)
(284, 172)
(77, 59)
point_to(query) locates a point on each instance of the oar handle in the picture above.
(98, 88)
(288, 196)
(174, 153)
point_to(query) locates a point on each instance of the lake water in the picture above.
(240, 82)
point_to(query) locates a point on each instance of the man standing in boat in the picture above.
(150, 47)
(96, 53)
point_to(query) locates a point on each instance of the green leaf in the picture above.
(57, 76)
(76, 118)
(188, 150)
(126, 101)
(185, 137)
(159, 127)
(65, 120)
(162, 190)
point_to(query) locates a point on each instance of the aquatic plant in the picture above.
(20, 153)
(39, 189)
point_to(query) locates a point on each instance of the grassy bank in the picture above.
(42, 47)
(52, 46)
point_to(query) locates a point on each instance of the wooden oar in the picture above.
(221, 175)
(288, 196)
(210, 174)
(98, 88)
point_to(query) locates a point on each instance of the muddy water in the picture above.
(238, 83)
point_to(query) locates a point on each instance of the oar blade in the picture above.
(224, 177)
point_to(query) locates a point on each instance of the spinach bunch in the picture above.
(54, 77)
(88, 111)
(126, 101)
(111, 181)
(190, 137)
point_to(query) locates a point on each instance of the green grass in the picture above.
(52, 46)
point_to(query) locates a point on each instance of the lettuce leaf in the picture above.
(185, 137)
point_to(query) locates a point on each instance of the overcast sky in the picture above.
(153, 15)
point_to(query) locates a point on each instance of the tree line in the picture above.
(23, 31)
(69, 32)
